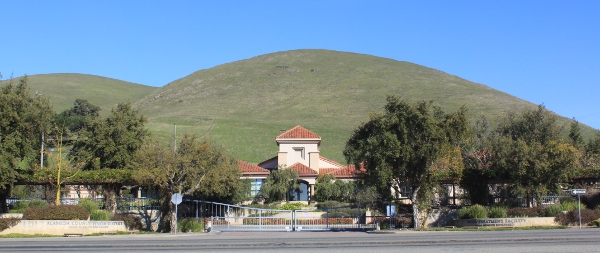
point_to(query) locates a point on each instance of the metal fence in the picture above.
(227, 217)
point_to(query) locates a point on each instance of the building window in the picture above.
(255, 186)
(299, 152)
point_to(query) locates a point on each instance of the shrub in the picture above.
(20, 206)
(525, 212)
(497, 212)
(62, 212)
(568, 204)
(8, 222)
(132, 222)
(292, 206)
(100, 215)
(190, 225)
(329, 204)
(37, 203)
(595, 223)
(553, 210)
(473, 212)
(571, 218)
(89, 204)
(336, 214)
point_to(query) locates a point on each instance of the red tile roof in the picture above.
(251, 169)
(298, 132)
(303, 170)
(349, 171)
(331, 162)
(327, 171)
(267, 161)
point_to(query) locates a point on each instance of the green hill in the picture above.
(244, 105)
(63, 89)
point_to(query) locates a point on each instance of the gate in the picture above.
(331, 220)
(227, 217)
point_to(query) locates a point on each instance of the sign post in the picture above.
(391, 212)
(176, 199)
(578, 192)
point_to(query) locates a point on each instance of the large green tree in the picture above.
(194, 167)
(110, 143)
(529, 149)
(23, 120)
(400, 146)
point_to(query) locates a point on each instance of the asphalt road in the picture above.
(556, 240)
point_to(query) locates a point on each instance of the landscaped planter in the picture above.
(506, 222)
(61, 227)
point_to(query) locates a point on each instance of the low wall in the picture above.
(60, 227)
(506, 222)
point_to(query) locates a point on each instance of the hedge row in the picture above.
(8, 222)
(571, 218)
(61, 212)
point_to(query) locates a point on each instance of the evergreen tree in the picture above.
(23, 120)
(399, 147)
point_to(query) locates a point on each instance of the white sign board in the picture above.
(577, 191)
(391, 210)
(177, 198)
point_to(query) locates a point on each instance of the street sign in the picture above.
(577, 191)
(177, 198)
(390, 210)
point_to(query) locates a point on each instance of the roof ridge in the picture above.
(298, 132)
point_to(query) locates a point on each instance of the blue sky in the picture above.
(541, 51)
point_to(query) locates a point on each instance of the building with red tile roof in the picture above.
(299, 150)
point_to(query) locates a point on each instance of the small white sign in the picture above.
(577, 191)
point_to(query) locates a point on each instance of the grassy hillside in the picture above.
(245, 104)
(63, 89)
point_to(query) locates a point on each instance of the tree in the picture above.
(477, 161)
(529, 150)
(278, 184)
(325, 189)
(74, 118)
(328, 188)
(23, 120)
(575, 134)
(110, 144)
(593, 145)
(184, 170)
(400, 146)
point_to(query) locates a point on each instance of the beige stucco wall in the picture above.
(60, 227)
(292, 157)
(507, 222)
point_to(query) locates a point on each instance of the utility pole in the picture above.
(175, 137)
(42, 153)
